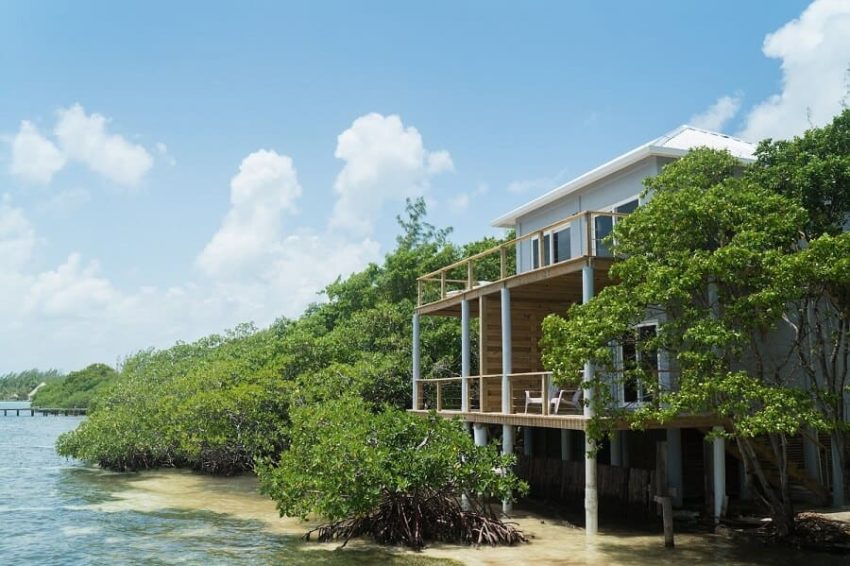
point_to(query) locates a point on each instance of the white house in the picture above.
(558, 258)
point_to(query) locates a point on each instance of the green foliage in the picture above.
(78, 389)
(222, 402)
(705, 228)
(361, 458)
(16, 386)
(814, 170)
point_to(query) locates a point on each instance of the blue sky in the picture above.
(171, 169)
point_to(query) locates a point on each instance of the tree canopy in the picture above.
(743, 271)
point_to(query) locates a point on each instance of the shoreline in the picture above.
(552, 540)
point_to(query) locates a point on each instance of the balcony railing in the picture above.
(485, 394)
(464, 275)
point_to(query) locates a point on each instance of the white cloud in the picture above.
(716, 116)
(71, 290)
(384, 162)
(461, 201)
(815, 54)
(35, 159)
(84, 137)
(17, 237)
(257, 266)
(265, 187)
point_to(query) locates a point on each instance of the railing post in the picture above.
(544, 394)
(470, 275)
(541, 249)
(443, 284)
(439, 396)
(416, 360)
(418, 292)
(482, 397)
(503, 262)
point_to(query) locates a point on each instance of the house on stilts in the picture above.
(559, 257)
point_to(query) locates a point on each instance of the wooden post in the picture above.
(442, 284)
(544, 395)
(503, 262)
(470, 275)
(662, 497)
(418, 292)
(439, 396)
(541, 249)
(667, 516)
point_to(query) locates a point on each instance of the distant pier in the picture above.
(33, 411)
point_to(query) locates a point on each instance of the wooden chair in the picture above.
(556, 399)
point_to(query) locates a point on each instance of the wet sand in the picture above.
(552, 541)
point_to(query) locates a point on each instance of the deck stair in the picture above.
(799, 479)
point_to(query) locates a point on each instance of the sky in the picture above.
(171, 169)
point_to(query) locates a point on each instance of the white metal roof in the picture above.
(674, 144)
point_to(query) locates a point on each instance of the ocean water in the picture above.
(58, 511)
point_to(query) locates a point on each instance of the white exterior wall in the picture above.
(601, 195)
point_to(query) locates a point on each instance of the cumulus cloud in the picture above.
(265, 187)
(73, 289)
(256, 263)
(385, 161)
(35, 159)
(716, 116)
(84, 137)
(814, 51)
(17, 237)
(259, 264)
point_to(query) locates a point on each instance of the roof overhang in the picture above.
(655, 148)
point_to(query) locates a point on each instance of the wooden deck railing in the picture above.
(485, 393)
(461, 275)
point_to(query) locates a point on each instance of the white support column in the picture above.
(674, 464)
(591, 498)
(616, 449)
(837, 476)
(719, 461)
(507, 448)
(507, 361)
(416, 361)
(479, 433)
(464, 355)
(566, 444)
(527, 440)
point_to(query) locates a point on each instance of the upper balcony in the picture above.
(565, 246)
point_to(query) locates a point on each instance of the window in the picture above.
(556, 245)
(633, 355)
(603, 225)
(562, 245)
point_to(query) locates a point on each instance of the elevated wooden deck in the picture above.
(569, 422)
(441, 292)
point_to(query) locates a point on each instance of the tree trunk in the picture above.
(777, 500)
